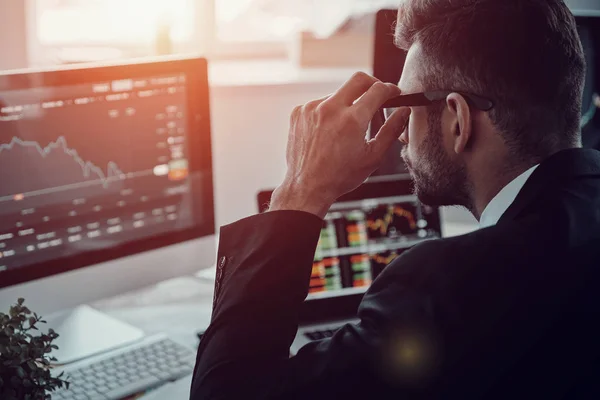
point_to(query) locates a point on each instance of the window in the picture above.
(277, 20)
(68, 22)
(258, 20)
(72, 30)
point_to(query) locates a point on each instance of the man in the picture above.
(509, 311)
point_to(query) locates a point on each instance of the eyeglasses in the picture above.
(428, 98)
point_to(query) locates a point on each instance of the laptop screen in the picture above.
(363, 232)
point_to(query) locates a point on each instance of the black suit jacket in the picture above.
(510, 311)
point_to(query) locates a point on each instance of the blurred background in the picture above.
(65, 31)
(283, 52)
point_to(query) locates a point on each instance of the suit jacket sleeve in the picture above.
(264, 268)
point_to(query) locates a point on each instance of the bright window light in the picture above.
(112, 21)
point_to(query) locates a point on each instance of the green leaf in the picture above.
(24, 359)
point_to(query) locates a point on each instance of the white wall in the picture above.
(13, 40)
(250, 127)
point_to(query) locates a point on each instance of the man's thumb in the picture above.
(390, 131)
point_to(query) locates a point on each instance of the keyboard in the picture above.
(126, 371)
(320, 334)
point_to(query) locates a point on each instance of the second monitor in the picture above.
(363, 232)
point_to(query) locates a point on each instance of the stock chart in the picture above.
(89, 162)
(358, 240)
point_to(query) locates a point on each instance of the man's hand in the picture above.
(327, 152)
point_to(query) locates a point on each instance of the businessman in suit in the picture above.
(508, 311)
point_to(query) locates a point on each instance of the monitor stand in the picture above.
(84, 331)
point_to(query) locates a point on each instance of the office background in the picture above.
(235, 86)
(252, 95)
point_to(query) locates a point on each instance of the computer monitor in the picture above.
(388, 63)
(363, 232)
(589, 31)
(105, 179)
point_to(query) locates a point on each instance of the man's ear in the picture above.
(462, 124)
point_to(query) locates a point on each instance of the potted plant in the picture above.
(25, 356)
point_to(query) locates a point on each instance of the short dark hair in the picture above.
(526, 55)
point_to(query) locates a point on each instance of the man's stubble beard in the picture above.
(438, 180)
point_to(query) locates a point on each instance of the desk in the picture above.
(179, 307)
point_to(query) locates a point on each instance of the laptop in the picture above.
(362, 233)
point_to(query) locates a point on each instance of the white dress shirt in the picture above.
(499, 204)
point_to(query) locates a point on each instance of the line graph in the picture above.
(87, 167)
(383, 224)
(82, 185)
(384, 259)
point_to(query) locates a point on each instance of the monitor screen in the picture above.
(589, 31)
(98, 163)
(363, 232)
(388, 63)
(388, 60)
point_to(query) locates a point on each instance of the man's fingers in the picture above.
(311, 105)
(374, 98)
(353, 89)
(390, 131)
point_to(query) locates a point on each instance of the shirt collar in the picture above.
(500, 203)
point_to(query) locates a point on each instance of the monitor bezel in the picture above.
(200, 154)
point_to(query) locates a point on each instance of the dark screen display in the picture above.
(388, 63)
(363, 232)
(92, 167)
